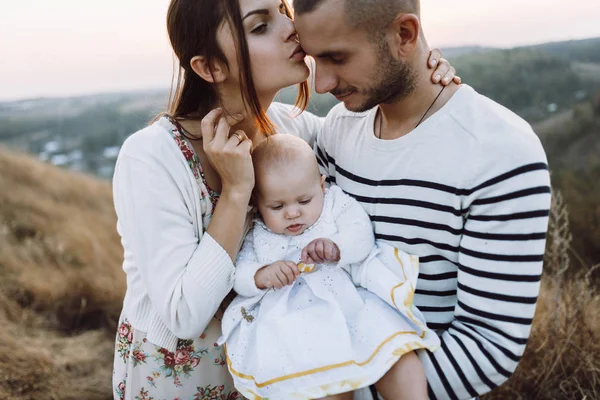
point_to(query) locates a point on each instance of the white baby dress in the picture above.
(322, 335)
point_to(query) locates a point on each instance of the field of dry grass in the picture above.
(61, 288)
(61, 285)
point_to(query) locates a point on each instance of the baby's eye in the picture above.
(279, 207)
(305, 201)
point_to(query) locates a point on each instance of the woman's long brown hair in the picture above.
(192, 26)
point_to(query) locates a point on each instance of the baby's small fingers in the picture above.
(289, 274)
(294, 268)
(279, 281)
(304, 256)
(320, 251)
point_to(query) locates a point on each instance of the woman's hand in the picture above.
(444, 73)
(277, 275)
(228, 154)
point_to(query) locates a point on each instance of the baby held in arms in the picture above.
(304, 325)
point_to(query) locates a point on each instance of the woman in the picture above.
(178, 241)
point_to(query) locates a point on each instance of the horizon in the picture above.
(123, 46)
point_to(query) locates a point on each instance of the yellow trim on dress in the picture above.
(315, 370)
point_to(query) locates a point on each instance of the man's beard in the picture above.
(395, 80)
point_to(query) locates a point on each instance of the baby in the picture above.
(301, 326)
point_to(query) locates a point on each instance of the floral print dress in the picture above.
(197, 369)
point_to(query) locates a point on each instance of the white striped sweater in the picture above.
(468, 191)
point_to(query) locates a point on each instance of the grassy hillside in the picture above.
(61, 285)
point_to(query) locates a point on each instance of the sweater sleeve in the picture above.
(500, 265)
(186, 279)
(354, 236)
(246, 266)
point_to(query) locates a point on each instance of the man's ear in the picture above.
(201, 67)
(323, 183)
(406, 29)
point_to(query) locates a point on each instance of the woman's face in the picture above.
(276, 58)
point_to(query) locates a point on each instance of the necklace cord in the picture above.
(422, 118)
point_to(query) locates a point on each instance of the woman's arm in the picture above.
(185, 277)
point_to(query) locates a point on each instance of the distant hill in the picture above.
(585, 50)
(84, 133)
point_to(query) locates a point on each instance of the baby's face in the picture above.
(290, 200)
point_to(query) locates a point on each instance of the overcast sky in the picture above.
(70, 47)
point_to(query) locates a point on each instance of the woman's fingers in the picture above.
(221, 133)
(457, 80)
(208, 125)
(440, 72)
(435, 56)
(235, 139)
(449, 76)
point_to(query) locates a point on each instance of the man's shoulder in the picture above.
(493, 126)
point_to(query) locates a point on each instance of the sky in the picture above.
(70, 47)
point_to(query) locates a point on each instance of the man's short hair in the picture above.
(371, 15)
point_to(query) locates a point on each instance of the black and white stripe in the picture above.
(477, 221)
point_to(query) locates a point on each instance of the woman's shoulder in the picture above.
(149, 143)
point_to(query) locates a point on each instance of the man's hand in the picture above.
(320, 251)
(277, 275)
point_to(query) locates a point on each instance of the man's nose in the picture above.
(325, 79)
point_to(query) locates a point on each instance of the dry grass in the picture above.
(61, 289)
(562, 359)
(61, 284)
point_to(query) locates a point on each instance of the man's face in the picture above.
(357, 70)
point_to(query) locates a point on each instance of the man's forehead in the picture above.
(324, 28)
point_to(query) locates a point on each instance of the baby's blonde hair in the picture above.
(282, 151)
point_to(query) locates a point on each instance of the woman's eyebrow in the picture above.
(262, 11)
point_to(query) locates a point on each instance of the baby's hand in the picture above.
(277, 275)
(319, 251)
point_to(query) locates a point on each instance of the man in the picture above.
(445, 174)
